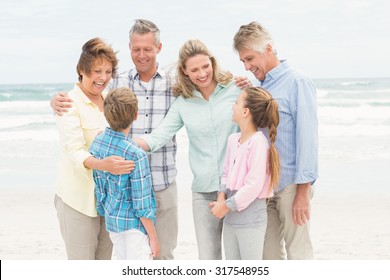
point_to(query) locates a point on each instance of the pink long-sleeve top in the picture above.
(245, 169)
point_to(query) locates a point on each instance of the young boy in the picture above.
(126, 201)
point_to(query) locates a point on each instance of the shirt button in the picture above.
(146, 115)
(146, 132)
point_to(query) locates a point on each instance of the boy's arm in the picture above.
(144, 203)
(142, 195)
(153, 240)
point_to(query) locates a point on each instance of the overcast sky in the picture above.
(40, 40)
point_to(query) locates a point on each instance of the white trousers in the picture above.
(131, 245)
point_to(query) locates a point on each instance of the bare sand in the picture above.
(350, 214)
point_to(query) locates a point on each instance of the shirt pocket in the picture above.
(286, 118)
(90, 130)
(283, 107)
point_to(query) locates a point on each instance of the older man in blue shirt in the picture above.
(287, 233)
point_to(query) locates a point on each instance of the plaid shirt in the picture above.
(154, 100)
(123, 199)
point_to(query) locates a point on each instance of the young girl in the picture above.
(251, 171)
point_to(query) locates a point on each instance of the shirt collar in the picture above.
(276, 71)
(217, 89)
(159, 73)
(83, 97)
(113, 133)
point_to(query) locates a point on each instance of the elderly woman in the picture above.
(82, 229)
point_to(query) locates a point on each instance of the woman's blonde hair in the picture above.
(184, 86)
(265, 114)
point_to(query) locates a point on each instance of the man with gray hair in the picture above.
(287, 234)
(153, 87)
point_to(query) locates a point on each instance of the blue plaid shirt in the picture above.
(123, 199)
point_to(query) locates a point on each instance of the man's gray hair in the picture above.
(144, 26)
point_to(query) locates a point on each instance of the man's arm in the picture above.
(242, 82)
(307, 149)
(301, 204)
(60, 103)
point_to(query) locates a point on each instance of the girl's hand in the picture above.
(219, 209)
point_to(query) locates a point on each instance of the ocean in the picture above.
(354, 124)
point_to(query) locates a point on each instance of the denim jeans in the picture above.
(208, 228)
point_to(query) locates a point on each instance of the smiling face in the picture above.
(93, 83)
(200, 71)
(259, 63)
(144, 52)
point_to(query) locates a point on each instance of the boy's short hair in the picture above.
(120, 108)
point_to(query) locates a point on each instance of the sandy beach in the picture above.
(346, 225)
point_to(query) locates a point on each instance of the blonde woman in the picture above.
(205, 95)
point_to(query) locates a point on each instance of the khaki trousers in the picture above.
(85, 237)
(167, 221)
(283, 238)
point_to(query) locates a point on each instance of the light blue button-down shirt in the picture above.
(208, 125)
(297, 133)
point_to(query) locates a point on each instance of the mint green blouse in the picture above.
(208, 125)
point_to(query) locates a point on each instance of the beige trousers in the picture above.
(284, 239)
(85, 237)
(167, 221)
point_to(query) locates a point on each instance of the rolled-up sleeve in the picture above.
(142, 191)
(305, 114)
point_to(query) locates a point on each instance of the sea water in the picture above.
(29, 145)
(353, 116)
